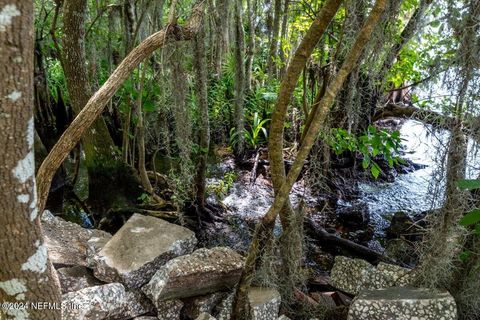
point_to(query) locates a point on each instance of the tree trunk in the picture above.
(239, 79)
(200, 65)
(97, 142)
(283, 37)
(272, 52)
(97, 102)
(142, 170)
(26, 274)
(251, 11)
(264, 229)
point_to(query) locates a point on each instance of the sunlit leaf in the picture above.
(470, 218)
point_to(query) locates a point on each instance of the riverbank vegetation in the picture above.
(165, 108)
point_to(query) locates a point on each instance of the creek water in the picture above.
(412, 192)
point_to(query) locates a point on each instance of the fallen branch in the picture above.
(327, 241)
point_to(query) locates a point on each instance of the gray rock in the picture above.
(99, 302)
(139, 248)
(169, 310)
(225, 308)
(137, 304)
(194, 306)
(354, 275)
(403, 303)
(395, 275)
(76, 278)
(66, 241)
(205, 316)
(349, 275)
(145, 318)
(263, 303)
(202, 272)
(283, 317)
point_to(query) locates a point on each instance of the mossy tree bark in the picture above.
(97, 142)
(200, 64)
(239, 79)
(264, 228)
(26, 275)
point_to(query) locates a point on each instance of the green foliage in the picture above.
(252, 135)
(221, 187)
(144, 198)
(471, 218)
(371, 144)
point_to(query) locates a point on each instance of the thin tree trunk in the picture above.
(283, 37)
(26, 274)
(200, 65)
(250, 44)
(97, 102)
(272, 52)
(239, 79)
(142, 170)
(97, 142)
(264, 229)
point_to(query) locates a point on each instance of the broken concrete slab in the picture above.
(76, 278)
(263, 303)
(354, 275)
(202, 272)
(139, 248)
(205, 316)
(66, 241)
(403, 303)
(169, 309)
(349, 274)
(194, 306)
(98, 302)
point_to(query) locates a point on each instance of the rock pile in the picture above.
(384, 293)
(148, 270)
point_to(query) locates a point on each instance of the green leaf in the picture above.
(375, 170)
(470, 218)
(468, 184)
(365, 162)
(477, 229)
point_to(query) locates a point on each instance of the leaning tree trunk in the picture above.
(239, 79)
(200, 65)
(98, 101)
(97, 142)
(263, 231)
(275, 147)
(26, 274)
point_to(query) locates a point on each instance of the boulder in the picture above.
(354, 275)
(67, 242)
(145, 318)
(202, 272)
(76, 278)
(263, 303)
(403, 303)
(139, 248)
(137, 304)
(169, 309)
(205, 316)
(224, 309)
(349, 274)
(194, 306)
(99, 302)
